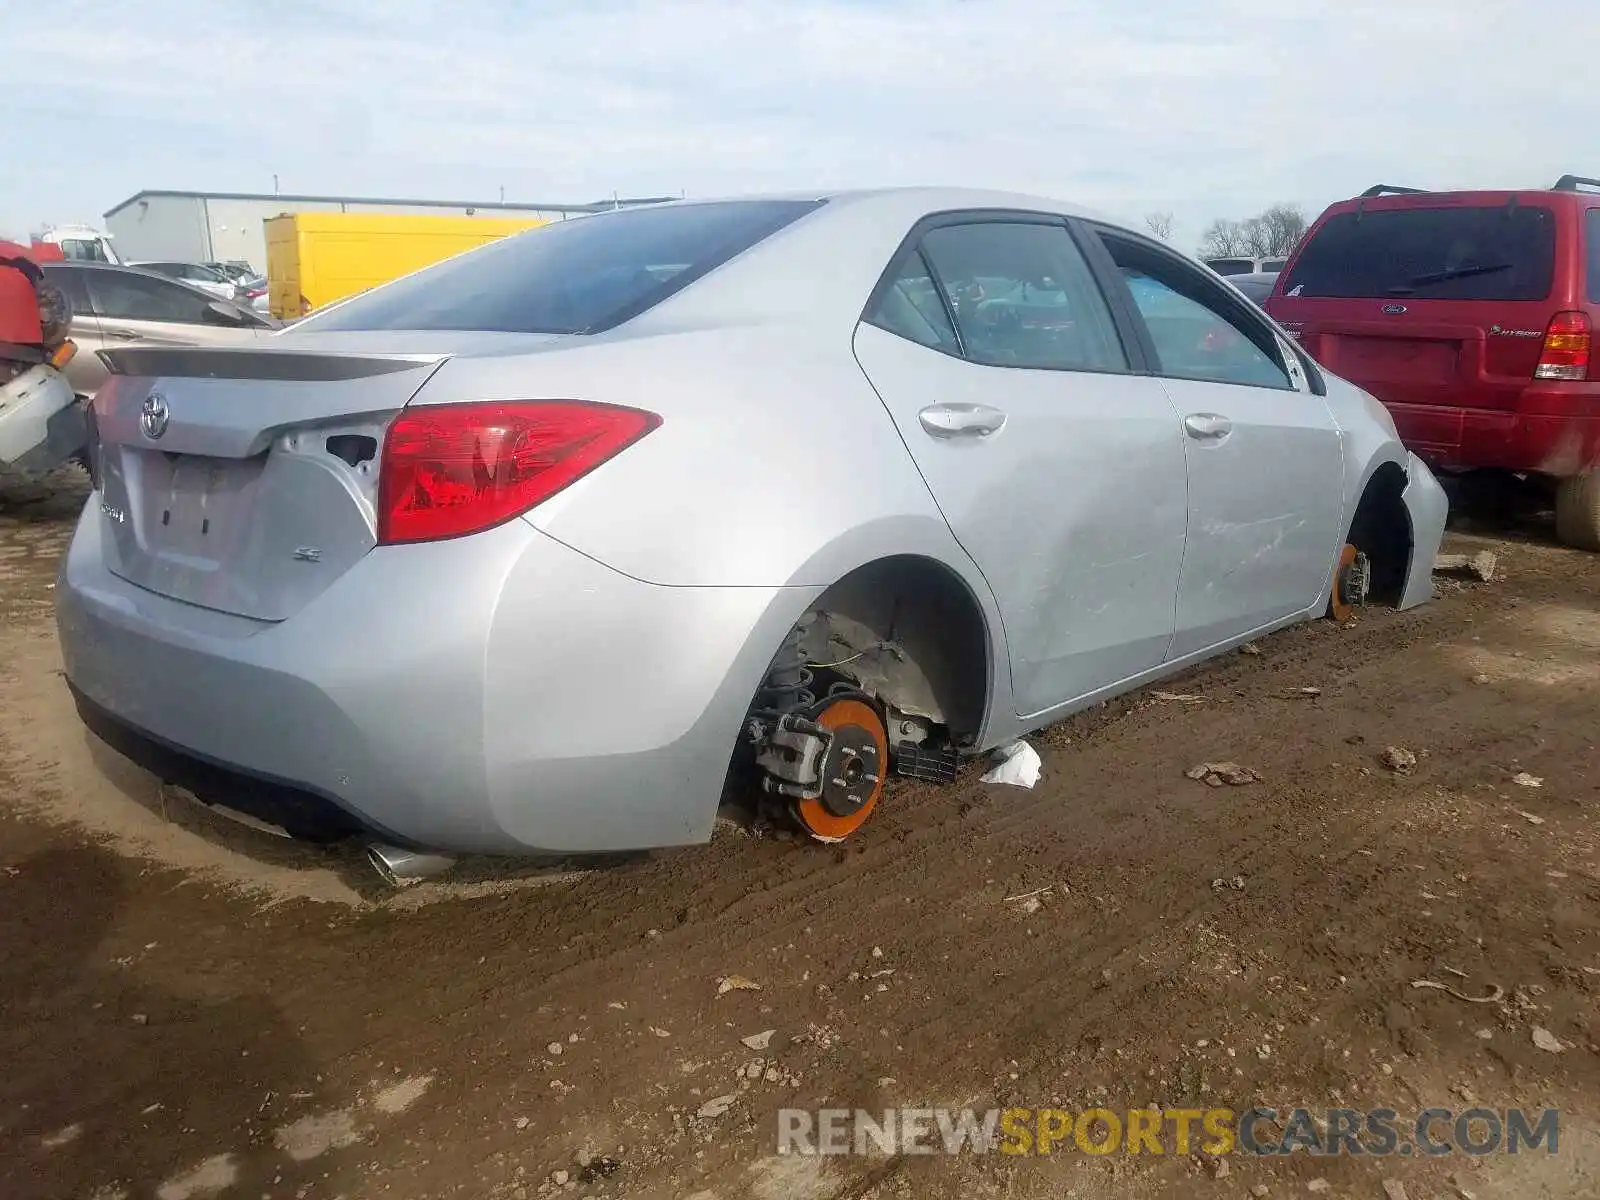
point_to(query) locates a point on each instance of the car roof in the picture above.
(916, 199)
(135, 269)
(1383, 198)
(130, 268)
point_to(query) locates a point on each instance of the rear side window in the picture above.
(134, 297)
(909, 304)
(1023, 296)
(1592, 237)
(70, 282)
(1502, 252)
(578, 276)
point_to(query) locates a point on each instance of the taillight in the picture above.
(454, 469)
(1566, 348)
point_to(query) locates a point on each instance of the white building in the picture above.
(227, 226)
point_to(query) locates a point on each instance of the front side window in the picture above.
(1198, 330)
(1023, 296)
(131, 297)
(1484, 252)
(578, 276)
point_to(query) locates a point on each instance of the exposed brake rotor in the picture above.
(1352, 579)
(830, 762)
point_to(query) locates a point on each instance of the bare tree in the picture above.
(1269, 234)
(1224, 239)
(1280, 229)
(1160, 224)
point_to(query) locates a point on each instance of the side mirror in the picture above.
(218, 313)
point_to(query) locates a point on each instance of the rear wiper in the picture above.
(1442, 276)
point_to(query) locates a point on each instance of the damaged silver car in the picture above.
(536, 549)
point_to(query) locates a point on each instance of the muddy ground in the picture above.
(192, 1009)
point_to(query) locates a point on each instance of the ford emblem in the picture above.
(154, 415)
(1394, 310)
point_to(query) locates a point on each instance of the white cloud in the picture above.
(1204, 109)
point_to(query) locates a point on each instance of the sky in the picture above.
(1204, 108)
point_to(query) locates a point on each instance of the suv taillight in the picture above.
(1566, 348)
(454, 469)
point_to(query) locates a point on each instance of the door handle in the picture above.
(1207, 427)
(122, 335)
(961, 420)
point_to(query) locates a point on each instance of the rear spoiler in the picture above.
(291, 366)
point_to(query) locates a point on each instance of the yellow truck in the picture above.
(315, 258)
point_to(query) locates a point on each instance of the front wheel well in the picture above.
(1381, 529)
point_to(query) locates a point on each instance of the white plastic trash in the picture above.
(1017, 765)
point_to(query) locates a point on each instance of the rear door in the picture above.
(1265, 458)
(1058, 468)
(1429, 307)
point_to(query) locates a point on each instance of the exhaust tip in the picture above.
(401, 868)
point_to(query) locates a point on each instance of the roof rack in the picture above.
(1571, 183)
(1381, 189)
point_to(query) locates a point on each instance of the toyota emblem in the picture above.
(154, 415)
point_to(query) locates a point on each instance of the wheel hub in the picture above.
(852, 769)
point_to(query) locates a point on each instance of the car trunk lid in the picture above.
(244, 480)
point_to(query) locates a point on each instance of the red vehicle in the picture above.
(41, 422)
(1471, 316)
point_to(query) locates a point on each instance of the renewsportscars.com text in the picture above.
(1258, 1131)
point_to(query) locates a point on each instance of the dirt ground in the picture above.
(191, 1009)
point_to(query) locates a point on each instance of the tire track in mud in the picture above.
(771, 900)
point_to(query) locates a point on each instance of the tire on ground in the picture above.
(1578, 511)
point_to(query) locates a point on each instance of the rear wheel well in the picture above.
(909, 632)
(1381, 529)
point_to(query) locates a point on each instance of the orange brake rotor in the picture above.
(815, 815)
(1339, 606)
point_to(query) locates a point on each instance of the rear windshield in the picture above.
(1592, 236)
(577, 276)
(1498, 253)
(1231, 266)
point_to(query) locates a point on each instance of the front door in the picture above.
(1265, 458)
(1060, 472)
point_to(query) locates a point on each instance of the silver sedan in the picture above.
(538, 549)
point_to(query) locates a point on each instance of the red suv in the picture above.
(1471, 315)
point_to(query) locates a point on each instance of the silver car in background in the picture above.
(1257, 285)
(538, 548)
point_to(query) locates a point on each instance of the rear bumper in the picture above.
(41, 423)
(1555, 429)
(493, 694)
